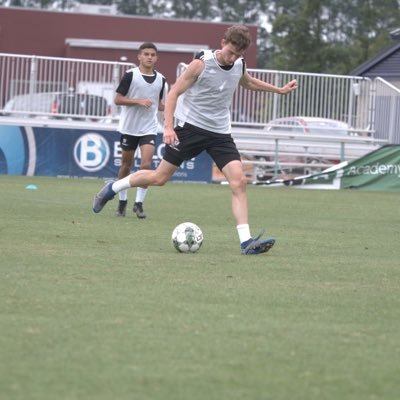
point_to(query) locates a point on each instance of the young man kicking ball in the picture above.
(200, 102)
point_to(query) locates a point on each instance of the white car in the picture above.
(315, 153)
(56, 105)
(310, 125)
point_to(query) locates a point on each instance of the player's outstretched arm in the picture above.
(252, 83)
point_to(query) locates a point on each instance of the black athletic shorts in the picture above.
(130, 142)
(194, 140)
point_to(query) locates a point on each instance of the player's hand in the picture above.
(289, 87)
(170, 137)
(145, 103)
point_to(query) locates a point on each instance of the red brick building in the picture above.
(107, 37)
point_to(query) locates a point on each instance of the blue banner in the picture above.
(49, 151)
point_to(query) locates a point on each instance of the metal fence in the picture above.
(371, 108)
(386, 111)
(26, 83)
(49, 87)
(368, 108)
(338, 97)
(341, 98)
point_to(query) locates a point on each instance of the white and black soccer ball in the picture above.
(187, 237)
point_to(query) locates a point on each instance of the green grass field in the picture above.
(95, 307)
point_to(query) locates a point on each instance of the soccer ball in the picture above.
(187, 237)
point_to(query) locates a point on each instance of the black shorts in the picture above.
(194, 140)
(130, 142)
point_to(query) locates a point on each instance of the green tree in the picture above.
(28, 3)
(372, 29)
(249, 12)
(296, 35)
(134, 7)
(197, 10)
(330, 36)
(326, 36)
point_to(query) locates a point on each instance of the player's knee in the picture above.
(242, 181)
(160, 182)
(239, 183)
(159, 179)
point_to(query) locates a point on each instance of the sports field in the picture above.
(94, 307)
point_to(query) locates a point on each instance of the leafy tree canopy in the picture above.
(326, 36)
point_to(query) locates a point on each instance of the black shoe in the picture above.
(106, 194)
(257, 245)
(121, 210)
(138, 210)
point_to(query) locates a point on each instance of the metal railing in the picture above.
(290, 153)
(271, 138)
(24, 81)
(338, 97)
(370, 108)
(387, 111)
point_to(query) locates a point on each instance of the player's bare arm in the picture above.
(128, 101)
(184, 82)
(252, 83)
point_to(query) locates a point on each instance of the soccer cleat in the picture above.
(103, 197)
(121, 209)
(138, 210)
(257, 245)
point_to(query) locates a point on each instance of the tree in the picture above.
(135, 7)
(372, 29)
(327, 36)
(330, 36)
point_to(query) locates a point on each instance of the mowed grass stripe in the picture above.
(99, 307)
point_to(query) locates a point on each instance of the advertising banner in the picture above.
(49, 151)
(376, 171)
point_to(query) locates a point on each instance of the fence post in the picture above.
(342, 151)
(115, 81)
(33, 75)
(392, 118)
(276, 98)
(353, 96)
(276, 160)
(373, 89)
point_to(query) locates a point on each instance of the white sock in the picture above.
(121, 184)
(140, 194)
(123, 195)
(243, 232)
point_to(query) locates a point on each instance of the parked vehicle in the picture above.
(80, 104)
(69, 105)
(310, 125)
(30, 105)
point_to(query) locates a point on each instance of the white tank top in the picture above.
(138, 120)
(207, 103)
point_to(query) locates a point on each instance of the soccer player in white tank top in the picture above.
(200, 101)
(140, 95)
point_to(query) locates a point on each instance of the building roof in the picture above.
(371, 64)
